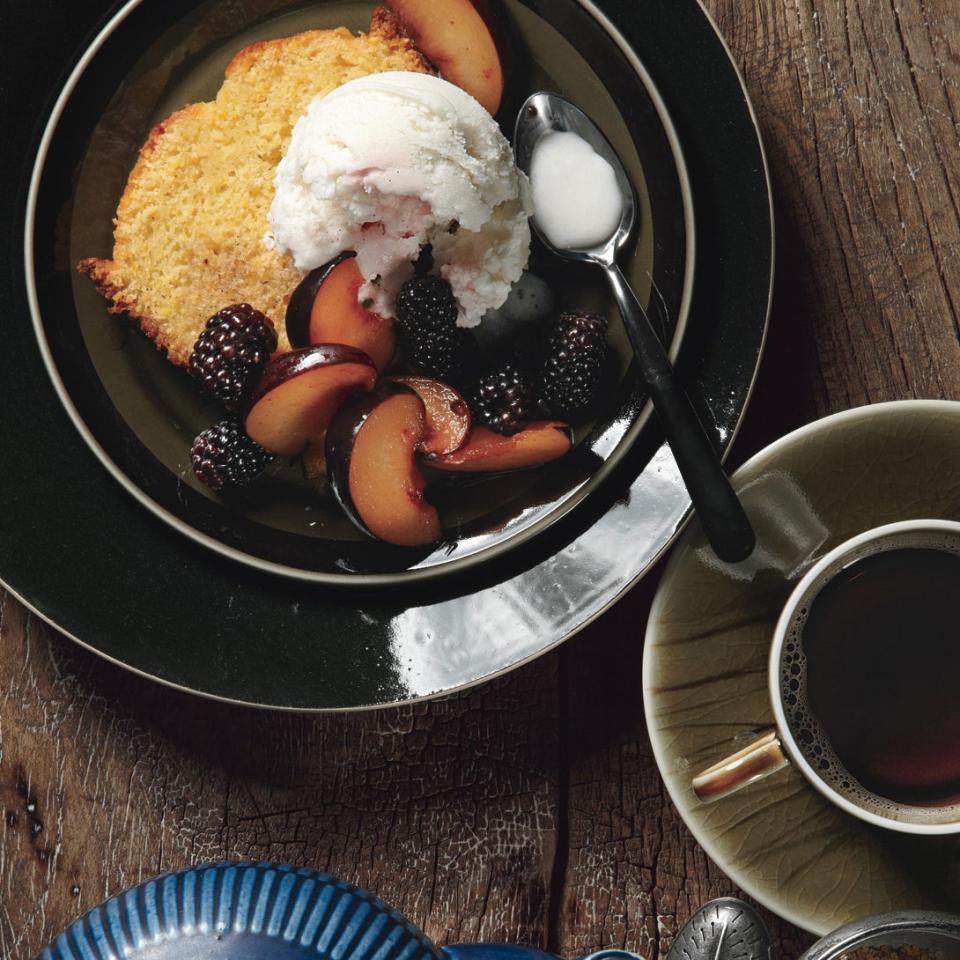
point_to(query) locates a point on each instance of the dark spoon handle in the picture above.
(721, 513)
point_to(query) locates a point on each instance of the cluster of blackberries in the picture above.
(562, 379)
(565, 381)
(227, 360)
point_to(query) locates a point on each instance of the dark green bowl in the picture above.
(140, 414)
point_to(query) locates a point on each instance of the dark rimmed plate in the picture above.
(140, 415)
(88, 558)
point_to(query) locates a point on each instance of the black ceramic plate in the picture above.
(140, 414)
(90, 559)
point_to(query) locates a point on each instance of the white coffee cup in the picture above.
(778, 747)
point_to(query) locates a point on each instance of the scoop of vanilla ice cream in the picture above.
(387, 163)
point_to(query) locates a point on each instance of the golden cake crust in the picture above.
(189, 228)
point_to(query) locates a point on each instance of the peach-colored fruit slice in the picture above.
(454, 36)
(324, 309)
(384, 488)
(448, 416)
(299, 393)
(485, 450)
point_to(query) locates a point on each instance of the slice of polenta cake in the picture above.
(190, 226)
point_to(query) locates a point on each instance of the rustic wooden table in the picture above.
(530, 809)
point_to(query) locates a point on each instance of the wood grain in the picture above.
(530, 809)
(448, 811)
(859, 103)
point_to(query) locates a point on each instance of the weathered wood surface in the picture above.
(529, 809)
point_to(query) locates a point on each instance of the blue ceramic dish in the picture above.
(260, 911)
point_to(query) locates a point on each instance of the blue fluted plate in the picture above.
(242, 911)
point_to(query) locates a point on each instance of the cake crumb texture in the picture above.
(190, 226)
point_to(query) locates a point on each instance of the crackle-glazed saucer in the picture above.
(705, 664)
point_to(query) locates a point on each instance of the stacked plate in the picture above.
(277, 600)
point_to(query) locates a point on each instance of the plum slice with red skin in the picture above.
(299, 392)
(374, 474)
(448, 414)
(460, 38)
(324, 309)
(487, 451)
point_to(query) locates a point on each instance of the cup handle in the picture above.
(754, 762)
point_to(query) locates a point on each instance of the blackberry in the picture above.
(575, 362)
(230, 353)
(504, 399)
(427, 316)
(224, 456)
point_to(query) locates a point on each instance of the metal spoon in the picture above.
(720, 512)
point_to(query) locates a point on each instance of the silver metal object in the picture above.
(724, 929)
(937, 932)
(721, 515)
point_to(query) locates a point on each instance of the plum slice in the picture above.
(371, 453)
(487, 451)
(459, 38)
(448, 415)
(324, 309)
(299, 393)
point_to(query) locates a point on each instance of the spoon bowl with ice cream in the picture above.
(585, 209)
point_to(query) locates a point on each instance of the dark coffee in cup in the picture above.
(864, 677)
(870, 677)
